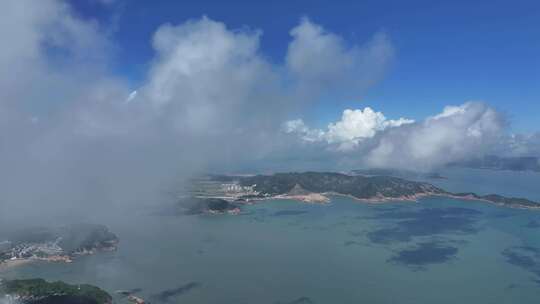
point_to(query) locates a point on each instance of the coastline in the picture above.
(9, 264)
(324, 198)
(479, 199)
(317, 198)
(66, 259)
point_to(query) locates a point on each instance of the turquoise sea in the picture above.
(437, 250)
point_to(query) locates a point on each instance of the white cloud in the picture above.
(368, 138)
(519, 145)
(319, 59)
(449, 111)
(210, 99)
(354, 127)
(456, 133)
(298, 126)
(46, 46)
(210, 76)
(131, 96)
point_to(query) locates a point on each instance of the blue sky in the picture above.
(446, 52)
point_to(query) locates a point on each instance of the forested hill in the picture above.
(364, 187)
(358, 186)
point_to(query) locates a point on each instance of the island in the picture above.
(39, 291)
(61, 244)
(405, 174)
(379, 188)
(316, 187)
(210, 206)
(492, 162)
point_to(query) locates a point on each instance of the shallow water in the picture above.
(438, 250)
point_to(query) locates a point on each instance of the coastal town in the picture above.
(56, 245)
(46, 251)
(222, 187)
(232, 189)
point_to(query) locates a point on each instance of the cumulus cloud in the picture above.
(297, 126)
(367, 138)
(319, 59)
(207, 74)
(354, 127)
(455, 134)
(76, 138)
(519, 145)
(46, 47)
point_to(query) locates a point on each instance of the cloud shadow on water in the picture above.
(301, 300)
(525, 257)
(350, 243)
(168, 295)
(533, 224)
(425, 222)
(424, 254)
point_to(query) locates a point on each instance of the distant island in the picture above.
(316, 187)
(492, 162)
(39, 291)
(210, 205)
(55, 244)
(406, 174)
(297, 185)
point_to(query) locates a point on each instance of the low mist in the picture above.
(78, 141)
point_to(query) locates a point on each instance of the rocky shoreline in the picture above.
(56, 245)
